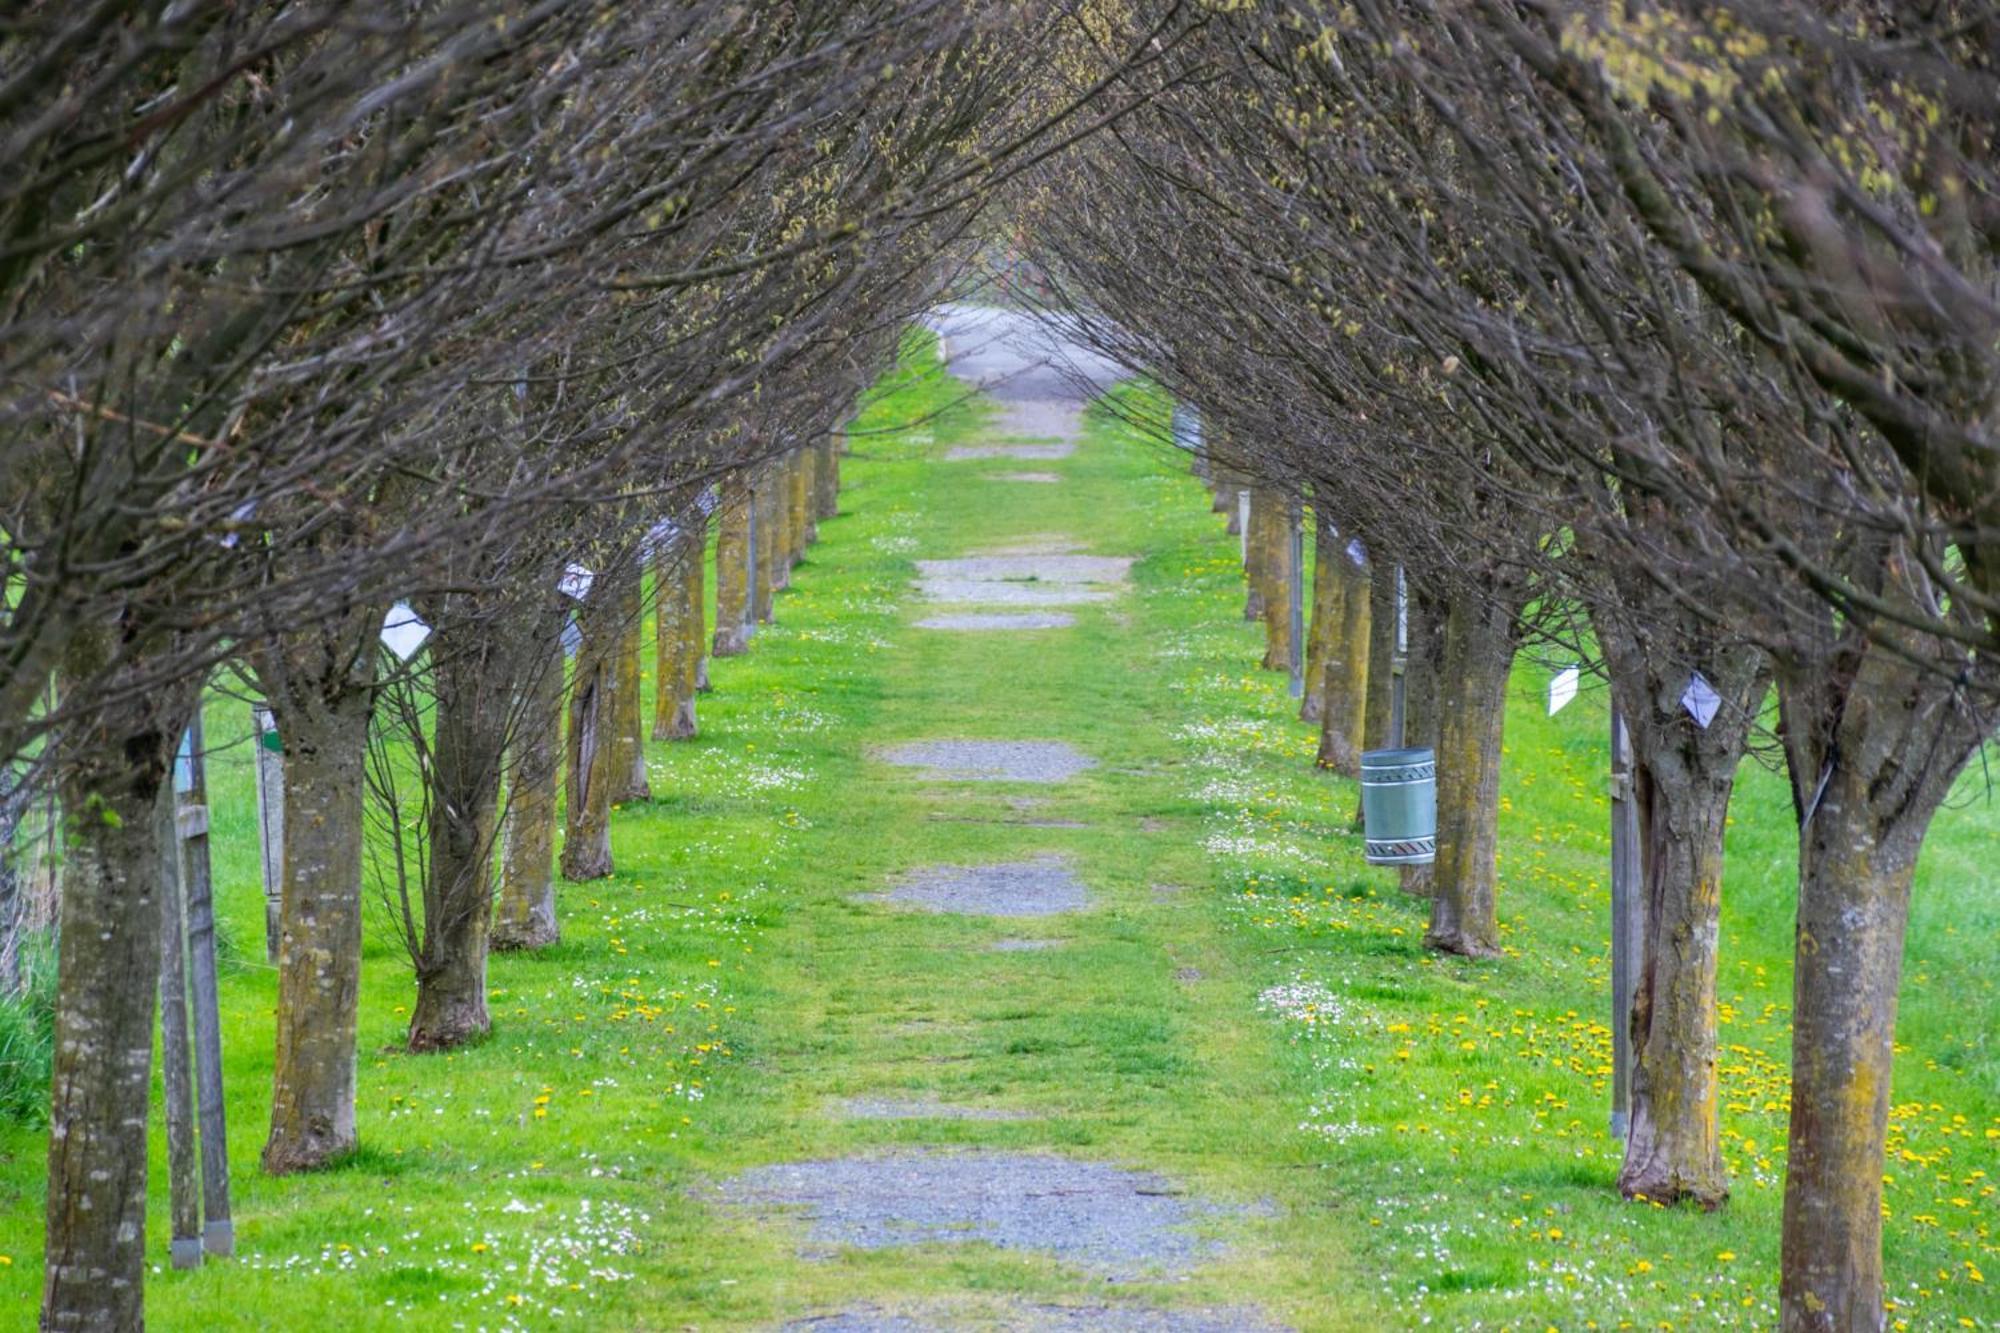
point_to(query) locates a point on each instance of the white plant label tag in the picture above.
(404, 631)
(1563, 689)
(575, 582)
(1701, 700)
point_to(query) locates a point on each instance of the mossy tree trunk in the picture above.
(1279, 575)
(768, 541)
(826, 477)
(1683, 776)
(1472, 710)
(734, 608)
(321, 686)
(112, 775)
(1325, 628)
(1873, 745)
(1343, 718)
(1261, 556)
(804, 530)
(524, 910)
(677, 636)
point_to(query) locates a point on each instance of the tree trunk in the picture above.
(176, 1051)
(827, 478)
(1278, 577)
(804, 530)
(676, 637)
(477, 664)
(586, 850)
(1327, 589)
(694, 585)
(1345, 687)
(734, 608)
(1260, 573)
(1682, 778)
(1872, 753)
(113, 767)
(1472, 698)
(628, 684)
(319, 922)
(524, 915)
(768, 540)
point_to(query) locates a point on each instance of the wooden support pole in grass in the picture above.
(218, 1230)
(176, 1071)
(1628, 921)
(270, 763)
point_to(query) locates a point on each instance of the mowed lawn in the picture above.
(1246, 1008)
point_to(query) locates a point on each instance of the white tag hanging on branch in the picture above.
(1701, 700)
(404, 631)
(575, 582)
(1357, 553)
(1563, 689)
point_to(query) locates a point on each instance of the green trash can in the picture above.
(1399, 808)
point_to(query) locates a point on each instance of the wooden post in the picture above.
(1628, 921)
(1243, 524)
(270, 819)
(176, 1077)
(1398, 691)
(218, 1231)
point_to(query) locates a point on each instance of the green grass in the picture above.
(1246, 1007)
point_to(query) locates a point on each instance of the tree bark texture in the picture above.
(1343, 718)
(1871, 755)
(524, 912)
(1263, 567)
(1683, 776)
(768, 541)
(677, 634)
(176, 1051)
(114, 766)
(1279, 574)
(1325, 627)
(1472, 699)
(628, 686)
(478, 655)
(734, 609)
(586, 852)
(325, 734)
(826, 479)
(804, 530)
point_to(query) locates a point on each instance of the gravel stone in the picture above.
(1108, 1219)
(991, 761)
(1041, 887)
(1000, 621)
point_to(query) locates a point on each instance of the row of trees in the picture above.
(1667, 334)
(310, 309)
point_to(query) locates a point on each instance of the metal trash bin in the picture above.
(1399, 811)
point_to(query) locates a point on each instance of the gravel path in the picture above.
(1108, 1219)
(990, 761)
(1041, 887)
(1034, 453)
(974, 620)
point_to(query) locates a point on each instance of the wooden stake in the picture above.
(183, 1186)
(218, 1231)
